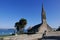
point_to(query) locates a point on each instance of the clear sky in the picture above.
(12, 11)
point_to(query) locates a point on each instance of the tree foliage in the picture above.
(21, 24)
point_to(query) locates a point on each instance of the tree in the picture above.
(17, 26)
(21, 24)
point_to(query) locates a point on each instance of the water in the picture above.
(6, 31)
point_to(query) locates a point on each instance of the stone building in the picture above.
(43, 26)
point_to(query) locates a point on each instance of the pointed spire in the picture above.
(43, 13)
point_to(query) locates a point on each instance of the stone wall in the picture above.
(24, 37)
(53, 33)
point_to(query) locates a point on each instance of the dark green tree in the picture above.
(21, 24)
(17, 26)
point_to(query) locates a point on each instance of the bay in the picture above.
(7, 31)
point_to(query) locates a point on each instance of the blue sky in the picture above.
(12, 11)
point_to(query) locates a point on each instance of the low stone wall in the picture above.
(24, 37)
(53, 33)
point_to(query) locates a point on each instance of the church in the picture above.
(43, 26)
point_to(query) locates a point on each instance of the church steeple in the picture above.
(43, 15)
(41, 28)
